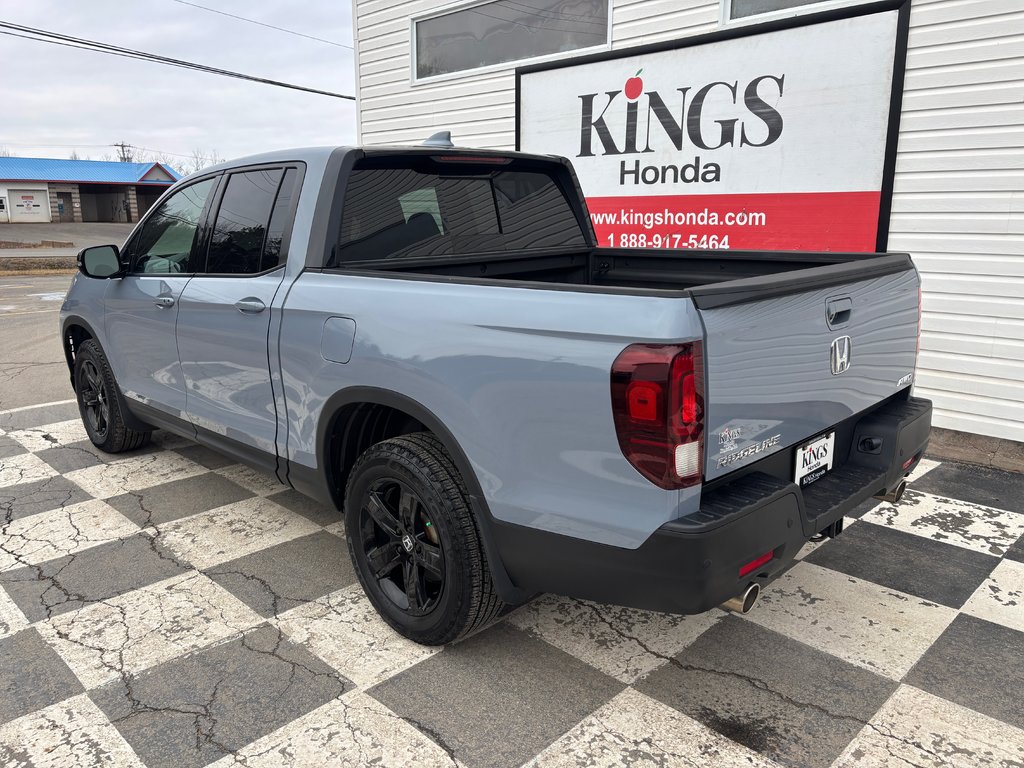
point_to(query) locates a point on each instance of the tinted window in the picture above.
(533, 211)
(236, 246)
(404, 212)
(279, 220)
(507, 30)
(165, 242)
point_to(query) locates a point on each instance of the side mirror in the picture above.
(101, 261)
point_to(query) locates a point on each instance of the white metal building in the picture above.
(958, 203)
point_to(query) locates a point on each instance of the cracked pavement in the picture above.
(170, 608)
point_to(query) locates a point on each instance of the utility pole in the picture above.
(125, 152)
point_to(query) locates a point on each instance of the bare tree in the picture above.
(160, 157)
(201, 158)
(74, 155)
(5, 152)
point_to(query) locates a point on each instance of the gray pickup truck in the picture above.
(430, 339)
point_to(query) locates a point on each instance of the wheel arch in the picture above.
(75, 331)
(356, 417)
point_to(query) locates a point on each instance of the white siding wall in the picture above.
(479, 109)
(959, 197)
(958, 208)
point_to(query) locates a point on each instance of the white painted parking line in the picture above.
(37, 405)
(16, 285)
(50, 295)
(33, 312)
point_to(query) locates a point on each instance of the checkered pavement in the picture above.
(170, 608)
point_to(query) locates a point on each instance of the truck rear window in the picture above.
(422, 211)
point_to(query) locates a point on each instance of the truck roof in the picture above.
(315, 155)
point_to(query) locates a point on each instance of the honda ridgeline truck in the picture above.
(430, 339)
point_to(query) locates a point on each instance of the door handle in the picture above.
(164, 301)
(838, 311)
(251, 305)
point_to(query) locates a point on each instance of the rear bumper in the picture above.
(692, 564)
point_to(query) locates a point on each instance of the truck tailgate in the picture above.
(790, 355)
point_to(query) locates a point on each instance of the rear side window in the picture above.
(430, 211)
(239, 231)
(280, 217)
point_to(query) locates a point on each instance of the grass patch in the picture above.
(36, 265)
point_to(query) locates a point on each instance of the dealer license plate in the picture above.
(814, 459)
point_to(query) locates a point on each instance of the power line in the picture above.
(45, 36)
(90, 146)
(159, 151)
(262, 24)
(52, 146)
(69, 41)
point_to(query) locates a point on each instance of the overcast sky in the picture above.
(51, 95)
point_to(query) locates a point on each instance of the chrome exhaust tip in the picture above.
(895, 494)
(745, 602)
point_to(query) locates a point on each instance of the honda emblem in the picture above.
(842, 349)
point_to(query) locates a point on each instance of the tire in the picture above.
(100, 403)
(414, 542)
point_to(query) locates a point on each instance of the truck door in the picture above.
(224, 316)
(142, 307)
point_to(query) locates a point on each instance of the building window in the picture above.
(742, 9)
(502, 31)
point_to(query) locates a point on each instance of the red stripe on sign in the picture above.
(793, 221)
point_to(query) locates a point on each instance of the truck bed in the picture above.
(712, 277)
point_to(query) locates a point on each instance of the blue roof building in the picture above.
(39, 189)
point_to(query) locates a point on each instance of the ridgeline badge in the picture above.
(750, 450)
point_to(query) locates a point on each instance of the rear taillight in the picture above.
(658, 407)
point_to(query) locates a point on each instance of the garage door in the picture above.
(29, 204)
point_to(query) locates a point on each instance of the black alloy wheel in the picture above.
(94, 399)
(415, 541)
(100, 402)
(402, 547)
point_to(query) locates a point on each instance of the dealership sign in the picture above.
(773, 137)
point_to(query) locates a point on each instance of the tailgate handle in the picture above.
(837, 311)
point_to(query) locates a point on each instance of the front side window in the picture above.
(164, 245)
(236, 247)
(393, 213)
(502, 31)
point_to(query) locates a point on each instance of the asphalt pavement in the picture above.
(32, 368)
(168, 608)
(82, 234)
(37, 253)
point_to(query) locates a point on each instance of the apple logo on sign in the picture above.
(634, 86)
